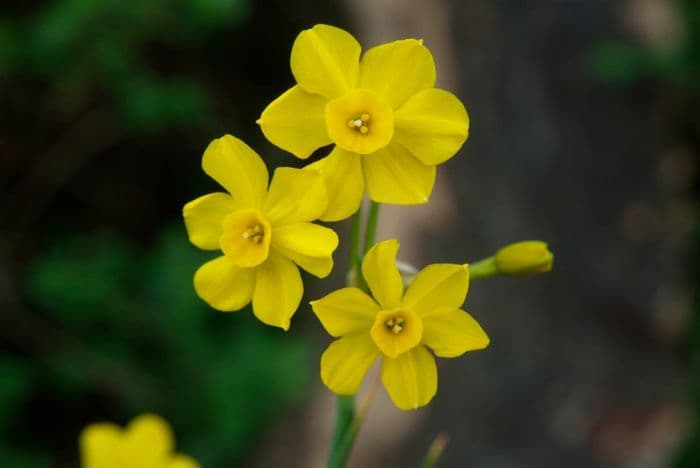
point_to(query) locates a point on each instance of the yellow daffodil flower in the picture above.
(147, 442)
(397, 327)
(389, 124)
(263, 234)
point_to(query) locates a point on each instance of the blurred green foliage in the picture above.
(621, 63)
(110, 44)
(103, 322)
(141, 337)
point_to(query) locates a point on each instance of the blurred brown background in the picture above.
(584, 133)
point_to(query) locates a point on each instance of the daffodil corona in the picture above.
(389, 124)
(263, 234)
(147, 442)
(398, 328)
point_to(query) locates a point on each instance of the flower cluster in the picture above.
(389, 127)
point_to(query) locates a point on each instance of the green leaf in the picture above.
(617, 63)
(81, 279)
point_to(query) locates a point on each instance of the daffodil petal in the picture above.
(278, 291)
(238, 169)
(346, 311)
(204, 218)
(296, 195)
(397, 70)
(452, 332)
(182, 461)
(296, 122)
(381, 274)
(435, 286)
(393, 175)
(148, 439)
(325, 60)
(345, 184)
(346, 361)
(100, 445)
(308, 245)
(223, 285)
(433, 125)
(411, 378)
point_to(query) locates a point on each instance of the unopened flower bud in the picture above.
(524, 258)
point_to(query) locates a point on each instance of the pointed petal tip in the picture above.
(283, 325)
(325, 273)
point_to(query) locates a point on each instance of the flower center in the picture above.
(395, 324)
(360, 121)
(246, 238)
(396, 331)
(254, 233)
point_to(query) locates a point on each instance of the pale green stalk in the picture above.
(371, 229)
(435, 451)
(345, 412)
(483, 269)
(347, 422)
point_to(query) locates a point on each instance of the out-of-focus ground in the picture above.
(583, 368)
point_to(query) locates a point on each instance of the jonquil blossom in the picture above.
(400, 328)
(389, 124)
(263, 234)
(147, 442)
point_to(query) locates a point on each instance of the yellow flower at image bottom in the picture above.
(400, 328)
(388, 123)
(147, 442)
(264, 234)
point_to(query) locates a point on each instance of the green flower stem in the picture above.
(354, 261)
(347, 422)
(483, 269)
(344, 422)
(339, 457)
(345, 412)
(371, 229)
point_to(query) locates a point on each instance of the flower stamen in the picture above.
(360, 123)
(395, 325)
(254, 233)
